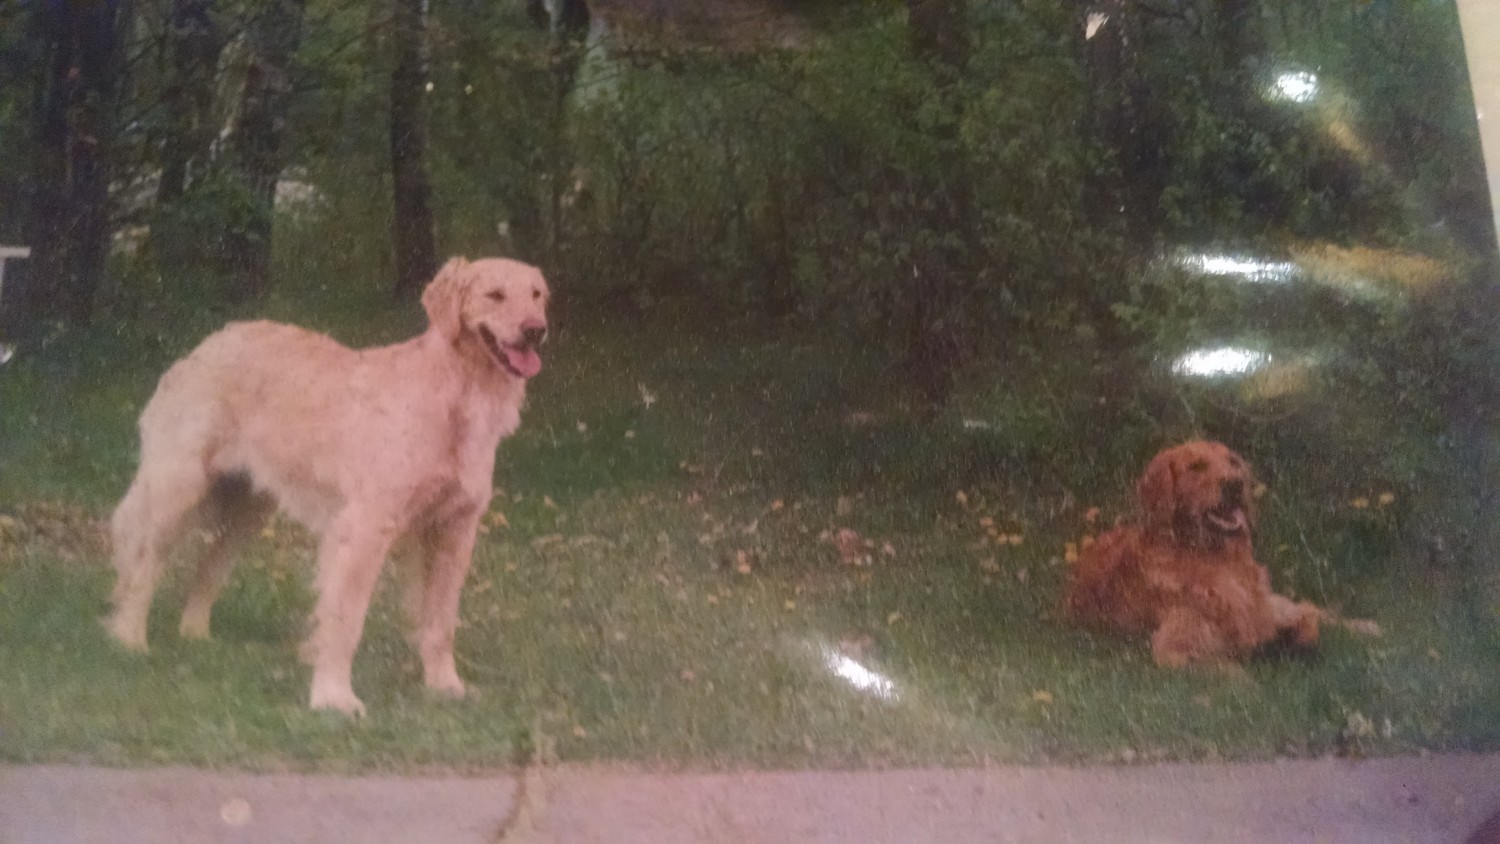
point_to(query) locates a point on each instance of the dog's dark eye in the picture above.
(1198, 466)
(497, 295)
(536, 294)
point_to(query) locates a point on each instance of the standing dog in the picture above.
(364, 447)
(1187, 573)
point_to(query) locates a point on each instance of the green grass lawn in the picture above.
(660, 582)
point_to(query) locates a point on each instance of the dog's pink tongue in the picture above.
(524, 360)
(1233, 522)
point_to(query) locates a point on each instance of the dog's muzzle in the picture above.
(518, 359)
(1229, 516)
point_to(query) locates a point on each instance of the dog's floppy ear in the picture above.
(444, 298)
(1157, 493)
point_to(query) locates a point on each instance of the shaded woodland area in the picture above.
(953, 181)
(956, 168)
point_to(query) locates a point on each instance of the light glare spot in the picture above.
(1225, 360)
(1095, 21)
(1298, 87)
(1249, 269)
(859, 676)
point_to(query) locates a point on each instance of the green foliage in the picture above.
(187, 234)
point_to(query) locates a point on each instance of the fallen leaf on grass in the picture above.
(893, 617)
(852, 547)
(1041, 696)
(1070, 552)
(856, 645)
(1090, 515)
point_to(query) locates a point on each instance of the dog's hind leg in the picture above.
(235, 511)
(1296, 622)
(143, 528)
(1186, 637)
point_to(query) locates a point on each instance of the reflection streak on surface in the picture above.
(857, 675)
(1250, 269)
(1221, 361)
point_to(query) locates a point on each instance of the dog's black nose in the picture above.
(534, 335)
(1233, 487)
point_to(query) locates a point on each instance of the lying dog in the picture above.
(1187, 573)
(364, 447)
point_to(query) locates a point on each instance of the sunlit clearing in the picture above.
(1297, 86)
(1225, 360)
(859, 676)
(1250, 269)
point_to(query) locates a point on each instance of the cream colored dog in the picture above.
(363, 447)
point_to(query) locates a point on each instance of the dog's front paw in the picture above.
(193, 626)
(339, 699)
(449, 686)
(130, 635)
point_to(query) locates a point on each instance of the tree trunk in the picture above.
(1122, 194)
(1125, 192)
(1239, 43)
(947, 241)
(416, 254)
(75, 126)
(570, 29)
(195, 44)
(255, 144)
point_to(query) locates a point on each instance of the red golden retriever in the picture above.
(1186, 574)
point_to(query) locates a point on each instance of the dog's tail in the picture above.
(1362, 626)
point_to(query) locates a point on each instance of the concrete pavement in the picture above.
(1432, 799)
